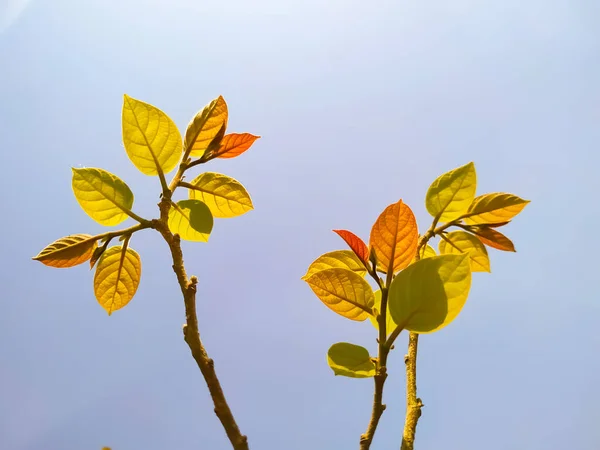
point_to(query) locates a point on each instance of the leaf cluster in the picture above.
(412, 287)
(155, 146)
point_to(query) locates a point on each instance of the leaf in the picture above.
(356, 244)
(429, 294)
(235, 144)
(492, 208)
(151, 139)
(463, 242)
(394, 237)
(344, 259)
(426, 252)
(68, 251)
(117, 277)
(103, 196)
(493, 238)
(191, 220)
(350, 360)
(344, 292)
(98, 253)
(224, 196)
(205, 127)
(450, 195)
(390, 324)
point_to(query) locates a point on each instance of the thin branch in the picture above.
(413, 403)
(192, 335)
(126, 231)
(380, 375)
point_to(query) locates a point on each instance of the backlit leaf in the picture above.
(429, 294)
(497, 207)
(425, 252)
(350, 360)
(344, 292)
(394, 237)
(68, 251)
(151, 139)
(463, 242)
(235, 144)
(450, 195)
(356, 244)
(390, 324)
(191, 220)
(205, 127)
(117, 277)
(98, 253)
(224, 196)
(344, 259)
(103, 196)
(493, 238)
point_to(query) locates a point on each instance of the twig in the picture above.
(413, 403)
(192, 335)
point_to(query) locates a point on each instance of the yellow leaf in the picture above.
(68, 251)
(463, 242)
(450, 195)
(117, 277)
(152, 140)
(103, 196)
(208, 124)
(350, 360)
(497, 207)
(344, 292)
(429, 294)
(191, 220)
(224, 196)
(390, 325)
(394, 237)
(344, 259)
(426, 252)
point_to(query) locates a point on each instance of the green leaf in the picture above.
(450, 195)
(345, 259)
(117, 277)
(494, 208)
(390, 325)
(350, 360)
(224, 196)
(462, 242)
(68, 251)
(344, 292)
(103, 196)
(429, 294)
(152, 140)
(206, 126)
(191, 220)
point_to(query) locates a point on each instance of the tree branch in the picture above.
(413, 403)
(192, 335)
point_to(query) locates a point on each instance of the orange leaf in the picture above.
(394, 237)
(235, 144)
(493, 238)
(356, 244)
(68, 251)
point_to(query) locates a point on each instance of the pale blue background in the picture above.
(359, 104)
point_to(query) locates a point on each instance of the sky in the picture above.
(358, 105)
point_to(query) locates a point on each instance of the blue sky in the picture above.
(358, 105)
